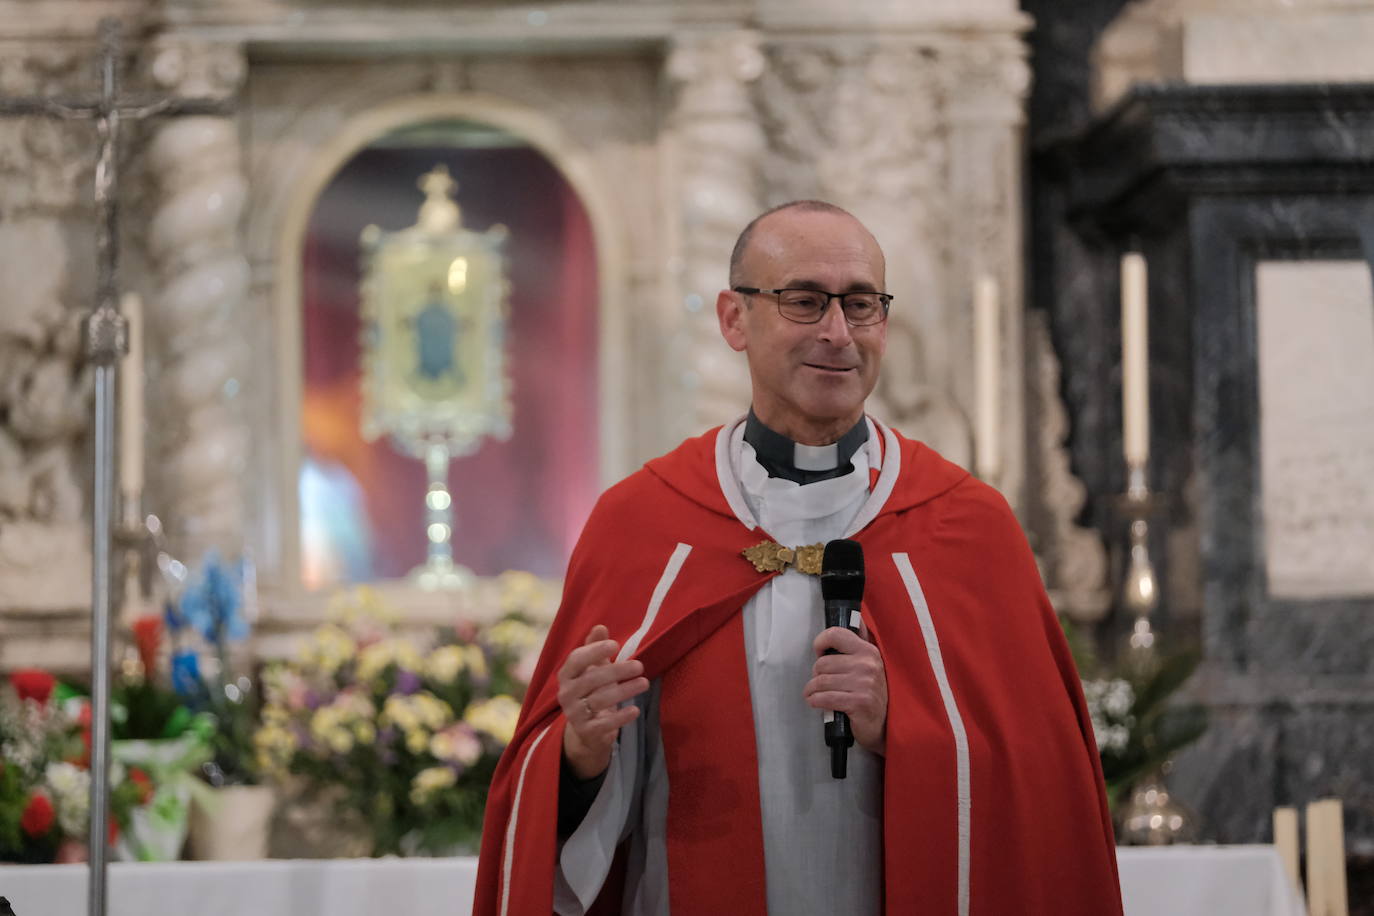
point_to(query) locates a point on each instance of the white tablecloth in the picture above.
(1206, 881)
(1175, 881)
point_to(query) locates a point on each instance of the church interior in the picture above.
(398, 289)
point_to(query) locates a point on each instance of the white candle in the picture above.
(131, 403)
(1135, 360)
(987, 449)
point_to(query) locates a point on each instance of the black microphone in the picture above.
(842, 588)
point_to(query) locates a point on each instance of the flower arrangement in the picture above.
(206, 619)
(1136, 727)
(404, 735)
(45, 780)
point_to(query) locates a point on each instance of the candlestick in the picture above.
(131, 405)
(1135, 364)
(987, 449)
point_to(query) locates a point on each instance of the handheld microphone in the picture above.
(842, 588)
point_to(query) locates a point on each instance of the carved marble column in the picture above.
(198, 318)
(984, 82)
(718, 147)
(857, 120)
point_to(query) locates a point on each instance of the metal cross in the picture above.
(106, 339)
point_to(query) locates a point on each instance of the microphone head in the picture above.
(842, 571)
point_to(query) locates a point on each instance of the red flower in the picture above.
(33, 684)
(145, 785)
(148, 638)
(38, 815)
(83, 718)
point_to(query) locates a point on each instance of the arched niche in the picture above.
(547, 481)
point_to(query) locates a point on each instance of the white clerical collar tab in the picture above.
(816, 457)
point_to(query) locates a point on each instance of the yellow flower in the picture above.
(398, 711)
(475, 661)
(354, 705)
(433, 712)
(340, 740)
(429, 781)
(365, 732)
(417, 741)
(275, 714)
(360, 605)
(407, 656)
(513, 635)
(520, 591)
(324, 721)
(330, 648)
(274, 746)
(373, 660)
(445, 664)
(496, 716)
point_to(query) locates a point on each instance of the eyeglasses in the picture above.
(807, 306)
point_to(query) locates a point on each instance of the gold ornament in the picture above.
(769, 556)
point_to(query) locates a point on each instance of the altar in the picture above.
(1155, 881)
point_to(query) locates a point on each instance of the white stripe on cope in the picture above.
(956, 721)
(665, 582)
(509, 856)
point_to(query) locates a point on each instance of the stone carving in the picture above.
(43, 163)
(720, 148)
(44, 406)
(860, 123)
(195, 68)
(196, 320)
(1073, 560)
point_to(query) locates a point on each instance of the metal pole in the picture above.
(103, 517)
(106, 341)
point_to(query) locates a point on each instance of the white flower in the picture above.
(1118, 698)
(70, 788)
(1109, 707)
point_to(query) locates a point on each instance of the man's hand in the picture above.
(853, 682)
(591, 687)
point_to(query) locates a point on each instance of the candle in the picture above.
(1135, 360)
(1327, 894)
(987, 452)
(131, 404)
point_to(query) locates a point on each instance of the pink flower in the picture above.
(457, 744)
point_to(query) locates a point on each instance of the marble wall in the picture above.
(1210, 182)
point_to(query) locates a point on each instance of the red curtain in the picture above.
(518, 504)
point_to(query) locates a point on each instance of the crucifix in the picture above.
(105, 341)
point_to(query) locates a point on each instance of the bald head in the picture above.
(739, 256)
(809, 378)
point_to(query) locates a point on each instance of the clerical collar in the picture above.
(803, 464)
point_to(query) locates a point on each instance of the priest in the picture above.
(670, 756)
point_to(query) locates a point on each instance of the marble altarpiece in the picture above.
(673, 122)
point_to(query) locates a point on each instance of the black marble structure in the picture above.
(1206, 182)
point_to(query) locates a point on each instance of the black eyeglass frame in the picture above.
(885, 299)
